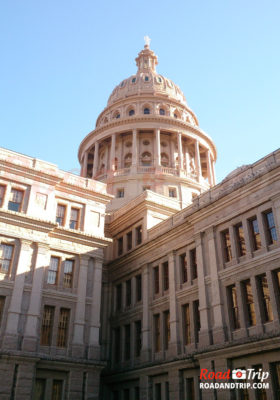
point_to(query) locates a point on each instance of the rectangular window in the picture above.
(2, 194)
(157, 332)
(127, 342)
(47, 326)
(255, 233)
(63, 324)
(270, 227)
(60, 214)
(276, 378)
(15, 201)
(138, 231)
(157, 391)
(166, 390)
(183, 265)
(138, 287)
(40, 387)
(57, 389)
(165, 276)
(260, 393)
(120, 246)
(117, 352)
(166, 318)
(186, 324)
(74, 218)
(119, 297)
(138, 338)
(172, 192)
(276, 274)
(196, 314)
(226, 245)
(190, 389)
(265, 298)
(249, 303)
(193, 263)
(126, 394)
(234, 314)
(129, 241)
(156, 280)
(137, 393)
(68, 273)
(128, 293)
(120, 193)
(2, 305)
(6, 255)
(53, 271)
(241, 247)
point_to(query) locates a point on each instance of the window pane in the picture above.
(52, 272)
(6, 253)
(63, 327)
(60, 213)
(186, 321)
(2, 305)
(240, 240)
(74, 219)
(40, 385)
(47, 324)
(165, 276)
(68, 273)
(57, 390)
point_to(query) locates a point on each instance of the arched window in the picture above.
(146, 110)
(161, 111)
(175, 115)
(164, 160)
(131, 112)
(116, 115)
(127, 160)
(146, 159)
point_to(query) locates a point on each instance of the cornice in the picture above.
(80, 237)
(26, 221)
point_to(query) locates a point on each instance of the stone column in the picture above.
(94, 346)
(7, 196)
(259, 326)
(173, 347)
(134, 151)
(213, 172)
(180, 151)
(146, 343)
(157, 148)
(95, 161)
(106, 158)
(219, 330)
(79, 323)
(10, 340)
(197, 159)
(84, 167)
(241, 309)
(209, 168)
(204, 333)
(113, 153)
(273, 290)
(187, 155)
(30, 339)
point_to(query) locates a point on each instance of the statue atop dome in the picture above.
(147, 41)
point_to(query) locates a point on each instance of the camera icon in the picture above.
(239, 374)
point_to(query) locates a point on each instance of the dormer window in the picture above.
(146, 110)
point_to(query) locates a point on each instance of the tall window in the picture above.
(120, 192)
(68, 273)
(137, 393)
(226, 245)
(265, 297)
(276, 378)
(172, 192)
(270, 227)
(139, 234)
(63, 324)
(260, 393)
(6, 255)
(138, 287)
(138, 338)
(47, 326)
(2, 194)
(249, 303)
(40, 387)
(190, 389)
(256, 237)
(2, 305)
(129, 241)
(183, 264)
(276, 274)
(53, 271)
(60, 214)
(146, 110)
(193, 263)
(127, 342)
(233, 307)
(157, 332)
(128, 293)
(15, 201)
(165, 276)
(126, 394)
(119, 297)
(131, 112)
(166, 319)
(120, 246)
(196, 313)
(57, 389)
(158, 391)
(74, 218)
(241, 247)
(161, 111)
(187, 324)
(156, 279)
(117, 343)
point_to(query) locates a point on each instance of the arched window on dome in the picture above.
(131, 112)
(116, 164)
(176, 114)
(146, 110)
(146, 159)
(127, 160)
(161, 111)
(164, 160)
(116, 114)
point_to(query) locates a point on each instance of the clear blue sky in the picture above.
(60, 60)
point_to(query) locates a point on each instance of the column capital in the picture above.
(43, 248)
(25, 244)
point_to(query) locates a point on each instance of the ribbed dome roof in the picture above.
(147, 81)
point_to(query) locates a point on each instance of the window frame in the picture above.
(11, 259)
(78, 221)
(22, 191)
(56, 271)
(64, 214)
(65, 283)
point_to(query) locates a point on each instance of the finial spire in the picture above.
(147, 41)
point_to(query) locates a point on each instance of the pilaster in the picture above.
(146, 344)
(95, 160)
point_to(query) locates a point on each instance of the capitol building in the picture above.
(125, 282)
